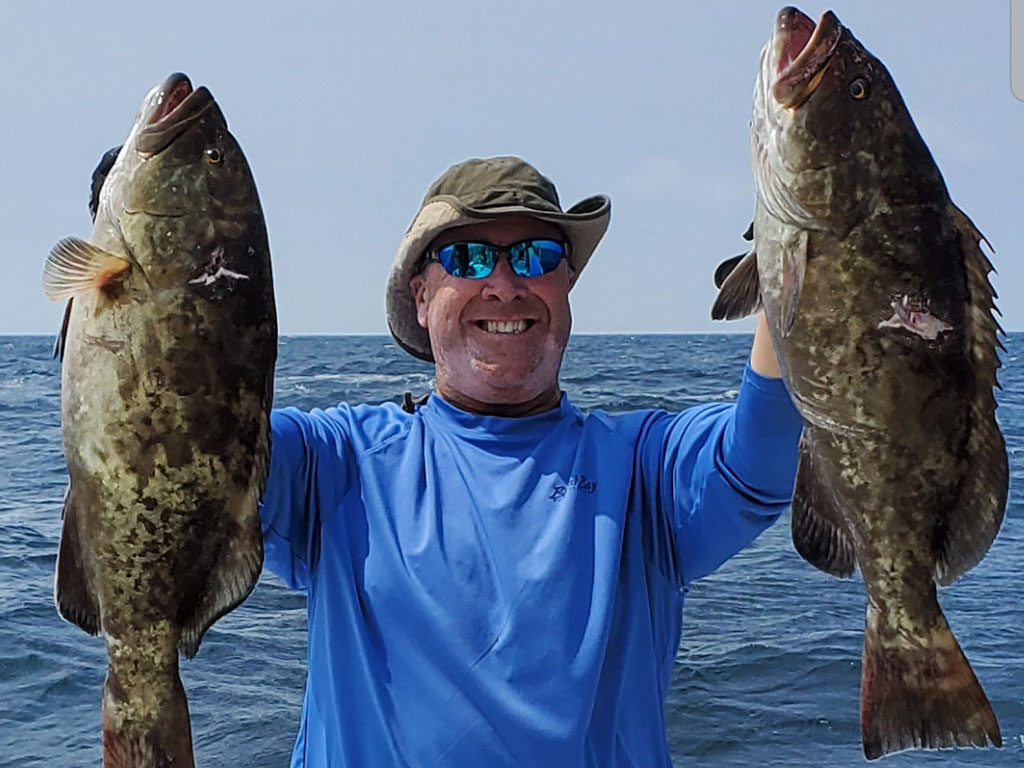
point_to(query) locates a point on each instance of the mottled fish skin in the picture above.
(880, 309)
(166, 390)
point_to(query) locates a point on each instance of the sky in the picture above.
(348, 111)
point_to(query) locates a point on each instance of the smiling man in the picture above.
(495, 577)
(497, 339)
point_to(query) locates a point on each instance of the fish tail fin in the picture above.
(150, 731)
(919, 691)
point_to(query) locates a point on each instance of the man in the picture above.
(496, 579)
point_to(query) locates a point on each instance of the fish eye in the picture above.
(214, 156)
(860, 89)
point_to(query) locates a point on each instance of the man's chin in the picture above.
(503, 373)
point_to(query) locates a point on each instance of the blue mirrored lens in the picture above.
(532, 258)
(469, 260)
(474, 261)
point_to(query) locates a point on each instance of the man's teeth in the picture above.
(500, 326)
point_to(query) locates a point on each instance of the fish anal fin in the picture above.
(977, 515)
(820, 534)
(72, 590)
(75, 266)
(740, 288)
(235, 572)
(919, 691)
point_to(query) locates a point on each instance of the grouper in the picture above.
(879, 305)
(168, 348)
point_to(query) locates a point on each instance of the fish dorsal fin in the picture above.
(740, 289)
(981, 497)
(820, 533)
(76, 266)
(99, 175)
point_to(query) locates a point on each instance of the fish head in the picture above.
(827, 118)
(180, 181)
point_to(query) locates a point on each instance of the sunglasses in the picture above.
(475, 261)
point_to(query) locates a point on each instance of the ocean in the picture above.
(767, 673)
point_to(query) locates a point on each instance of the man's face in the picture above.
(480, 365)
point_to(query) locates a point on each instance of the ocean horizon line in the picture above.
(325, 334)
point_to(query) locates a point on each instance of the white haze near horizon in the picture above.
(348, 111)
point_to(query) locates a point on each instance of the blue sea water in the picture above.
(769, 665)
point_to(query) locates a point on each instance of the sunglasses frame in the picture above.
(433, 254)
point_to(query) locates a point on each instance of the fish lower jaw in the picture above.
(802, 53)
(798, 97)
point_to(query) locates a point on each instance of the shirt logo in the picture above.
(576, 482)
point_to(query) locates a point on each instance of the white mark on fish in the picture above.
(924, 324)
(109, 343)
(209, 279)
(215, 270)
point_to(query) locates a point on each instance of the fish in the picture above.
(878, 301)
(168, 353)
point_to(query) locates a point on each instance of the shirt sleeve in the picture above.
(722, 474)
(311, 468)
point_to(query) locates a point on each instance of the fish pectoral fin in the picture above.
(977, 515)
(820, 534)
(794, 267)
(72, 590)
(75, 266)
(723, 270)
(233, 577)
(740, 293)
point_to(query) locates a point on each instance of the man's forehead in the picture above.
(501, 231)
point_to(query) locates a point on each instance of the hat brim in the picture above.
(584, 225)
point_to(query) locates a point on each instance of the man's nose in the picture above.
(503, 283)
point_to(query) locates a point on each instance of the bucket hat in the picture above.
(478, 190)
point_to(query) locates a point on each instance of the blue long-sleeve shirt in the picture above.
(486, 591)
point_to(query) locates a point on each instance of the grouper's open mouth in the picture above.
(174, 106)
(803, 52)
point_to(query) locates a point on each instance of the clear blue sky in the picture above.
(347, 111)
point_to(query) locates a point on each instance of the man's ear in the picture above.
(418, 285)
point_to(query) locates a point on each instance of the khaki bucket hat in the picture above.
(479, 190)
